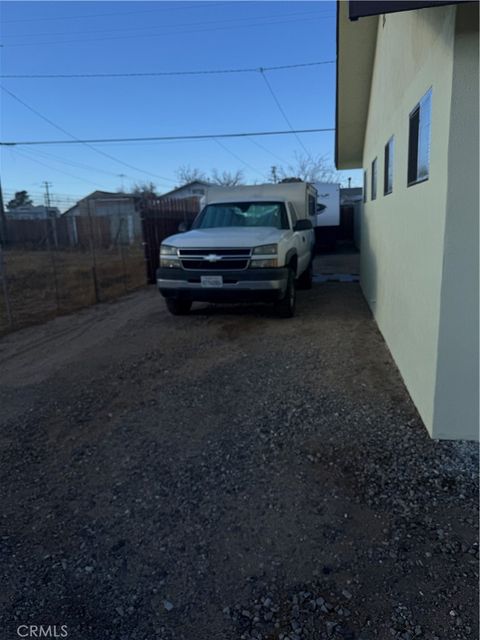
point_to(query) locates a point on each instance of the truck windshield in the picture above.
(243, 214)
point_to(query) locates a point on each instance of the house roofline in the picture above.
(356, 43)
(188, 184)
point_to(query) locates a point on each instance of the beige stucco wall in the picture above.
(402, 237)
(456, 396)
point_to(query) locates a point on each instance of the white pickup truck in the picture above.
(248, 243)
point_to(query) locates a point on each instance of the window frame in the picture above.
(387, 165)
(373, 179)
(293, 215)
(415, 119)
(365, 184)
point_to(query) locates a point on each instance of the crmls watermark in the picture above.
(42, 631)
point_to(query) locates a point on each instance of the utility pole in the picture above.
(122, 176)
(349, 182)
(47, 195)
(53, 222)
(274, 174)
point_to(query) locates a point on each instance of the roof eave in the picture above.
(356, 43)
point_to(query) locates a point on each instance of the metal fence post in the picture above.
(3, 276)
(122, 253)
(94, 257)
(53, 261)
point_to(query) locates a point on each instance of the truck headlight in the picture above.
(168, 256)
(263, 263)
(266, 250)
(268, 259)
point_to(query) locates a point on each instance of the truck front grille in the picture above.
(203, 265)
(212, 259)
(218, 252)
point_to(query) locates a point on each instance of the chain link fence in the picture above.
(57, 265)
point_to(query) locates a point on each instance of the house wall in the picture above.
(125, 221)
(402, 235)
(456, 397)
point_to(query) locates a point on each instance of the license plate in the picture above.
(211, 281)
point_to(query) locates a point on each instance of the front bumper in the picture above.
(247, 285)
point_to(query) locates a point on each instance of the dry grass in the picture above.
(31, 281)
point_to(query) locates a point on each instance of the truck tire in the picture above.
(306, 279)
(285, 308)
(178, 307)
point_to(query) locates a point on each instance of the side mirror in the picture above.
(182, 227)
(303, 225)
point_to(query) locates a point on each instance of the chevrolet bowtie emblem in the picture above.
(212, 257)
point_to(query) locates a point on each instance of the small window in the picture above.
(388, 168)
(419, 140)
(374, 180)
(198, 191)
(364, 186)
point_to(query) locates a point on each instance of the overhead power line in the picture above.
(176, 32)
(177, 25)
(48, 166)
(84, 142)
(193, 5)
(205, 136)
(234, 155)
(80, 165)
(168, 73)
(274, 155)
(282, 111)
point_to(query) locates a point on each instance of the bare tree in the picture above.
(309, 169)
(186, 174)
(145, 190)
(228, 178)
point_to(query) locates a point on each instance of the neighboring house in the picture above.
(31, 212)
(407, 113)
(119, 207)
(197, 188)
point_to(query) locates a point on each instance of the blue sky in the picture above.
(132, 37)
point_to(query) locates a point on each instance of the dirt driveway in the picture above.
(228, 475)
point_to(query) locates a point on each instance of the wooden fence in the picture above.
(160, 219)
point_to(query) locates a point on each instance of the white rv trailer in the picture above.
(327, 219)
(328, 204)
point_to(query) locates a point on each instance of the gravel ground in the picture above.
(230, 476)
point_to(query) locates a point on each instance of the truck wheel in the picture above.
(306, 279)
(178, 307)
(285, 308)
